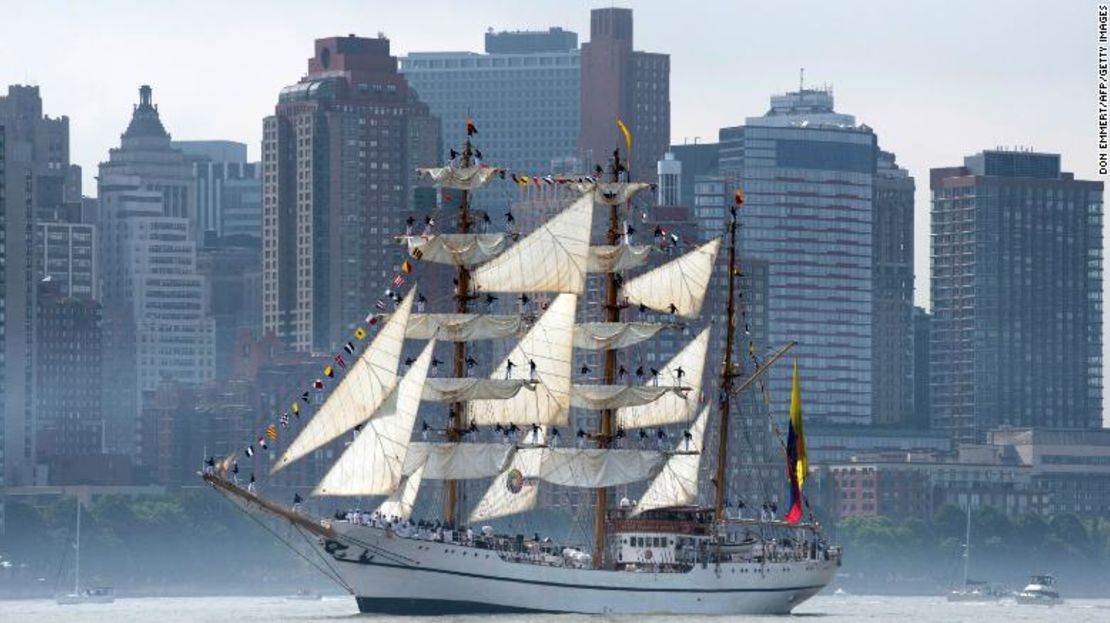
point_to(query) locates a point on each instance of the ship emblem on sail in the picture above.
(514, 481)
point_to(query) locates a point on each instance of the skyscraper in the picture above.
(522, 95)
(892, 294)
(619, 82)
(17, 300)
(156, 322)
(809, 176)
(1017, 295)
(43, 142)
(338, 156)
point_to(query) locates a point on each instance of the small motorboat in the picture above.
(1041, 591)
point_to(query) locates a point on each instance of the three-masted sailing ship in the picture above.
(661, 553)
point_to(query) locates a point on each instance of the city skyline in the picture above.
(896, 92)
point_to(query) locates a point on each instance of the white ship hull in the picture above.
(389, 574)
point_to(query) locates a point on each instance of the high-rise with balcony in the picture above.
(1016, 331)
(338, 156)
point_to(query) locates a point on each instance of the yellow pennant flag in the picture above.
(627, 135)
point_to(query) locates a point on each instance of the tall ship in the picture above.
(664, 552)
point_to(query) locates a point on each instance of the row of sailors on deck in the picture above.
(406, 528)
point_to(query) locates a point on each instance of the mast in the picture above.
(613, 314)
(726, 371)
(967, 541)
(77, 546)
(462, 300)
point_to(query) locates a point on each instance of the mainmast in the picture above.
(462, 303)
(613, 314)
(727, 373)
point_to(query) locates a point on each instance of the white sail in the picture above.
(372, 464)
(672, 408)
(606, 259)
(610, 193)
(677, 483)
(682, 282)
(548, 345)
(598, 397)
(598, 467)
(464, 327)
(400, 503)
(552, 258)
(462, 178)
(363, 389)
(457, 249)
(466, 389)
(613, 335)
(515, 490)
(457, 461)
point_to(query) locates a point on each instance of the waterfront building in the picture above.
(1015, 470)
(1016, 332)
(338, 160)
(620, 82)
(808, 175)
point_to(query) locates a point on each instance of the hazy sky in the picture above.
(936, 80)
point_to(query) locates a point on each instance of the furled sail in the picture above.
(462, 178)
(360, 393)
(372, 464)
(552, 258)
(672, 408)
(515, 490)
(400, 503)
(607, 259)
(677, 483)
(612, 335)
(680, 283)
(457, 249)
(610, 193)
(464, 327)
(598, 467)
(598, 397)
(465, 389)
(457, 461)
(548, 345)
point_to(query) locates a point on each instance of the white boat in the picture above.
(1041, 591)
(972, 590)
(305, 595)
(90, 595)
(663, 553)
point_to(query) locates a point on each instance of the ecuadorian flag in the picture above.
(797, 466)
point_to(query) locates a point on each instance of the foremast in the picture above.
(462, 304)
(613, 314)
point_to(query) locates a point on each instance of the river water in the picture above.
(249, 609)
